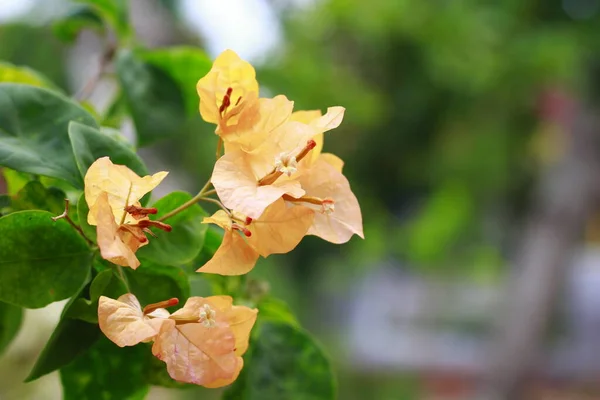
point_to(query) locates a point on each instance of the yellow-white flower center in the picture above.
(207, 316)
(286, 165)
(328, 207)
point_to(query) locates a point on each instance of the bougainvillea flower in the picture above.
(278, 230)
(125, 323)
(207, 352)
(124, 187)
(249, 182)
(202, 343)
(337, 212)
(229, 94)
(113, 193)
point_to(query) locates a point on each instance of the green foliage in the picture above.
(10, 322)
(13, 74)
(34, 196)
(114, 13)
(185, 65)
(33, 131)
(89, 144)
(154, 99)
(152, 283)
(68, 27)
(185, 241)
(82, 212)
(283, 362)
(106, 372)
(42, 260)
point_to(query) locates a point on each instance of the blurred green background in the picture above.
(455, 111)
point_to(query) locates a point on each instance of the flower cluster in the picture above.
(274, 181)
(201, 343)
(275, 186)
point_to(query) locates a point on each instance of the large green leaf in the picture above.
(186, 65)
(152, 283)
(89, 144)
(33, 131)
(185, 241)
(34, 196)
(283, 362)
(11, 73)
(10, 322)
(107, 372)
(41, 261)
(70, 338)
(154, 98)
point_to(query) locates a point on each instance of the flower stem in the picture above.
(65, 215)
(217, 202)
(123, 278)
(188, 203)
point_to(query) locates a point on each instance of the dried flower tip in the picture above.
(248, 221)
(140, 212)
(311, 144)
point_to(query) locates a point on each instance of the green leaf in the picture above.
(186, 65)
(104, 284)
(67, 28)
(154, 98)
(117, 112)
(41, 261)
(19, 74)
(277, 310)
(82, 212)
(107, 372)
(89, 144)
(15, 180)
(152, 283)
(185, 241)
(115, 13)
(70, 338)
(283, 362)
(34, 196)
(33, 132)
(10, 322)
(212, 241)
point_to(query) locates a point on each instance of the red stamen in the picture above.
(311, 144)
(157, 224)
(245, 231)
(172, 302)
(248, 220)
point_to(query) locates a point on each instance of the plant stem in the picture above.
(123, 278)
(188, 203)
(215, 201)
(65, 215)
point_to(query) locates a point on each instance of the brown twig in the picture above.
(65, 215)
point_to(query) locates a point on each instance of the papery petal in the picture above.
(323, 180)
(238, 188)
(219, 218)
(240, 319)
(124, 187)
(224, 382)
(333, 160)
(272, 114)
(228, 71)
(110, 240)
(279, 229)
(196, 353)
(123, 322)
(331, 120)
(233, 257)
